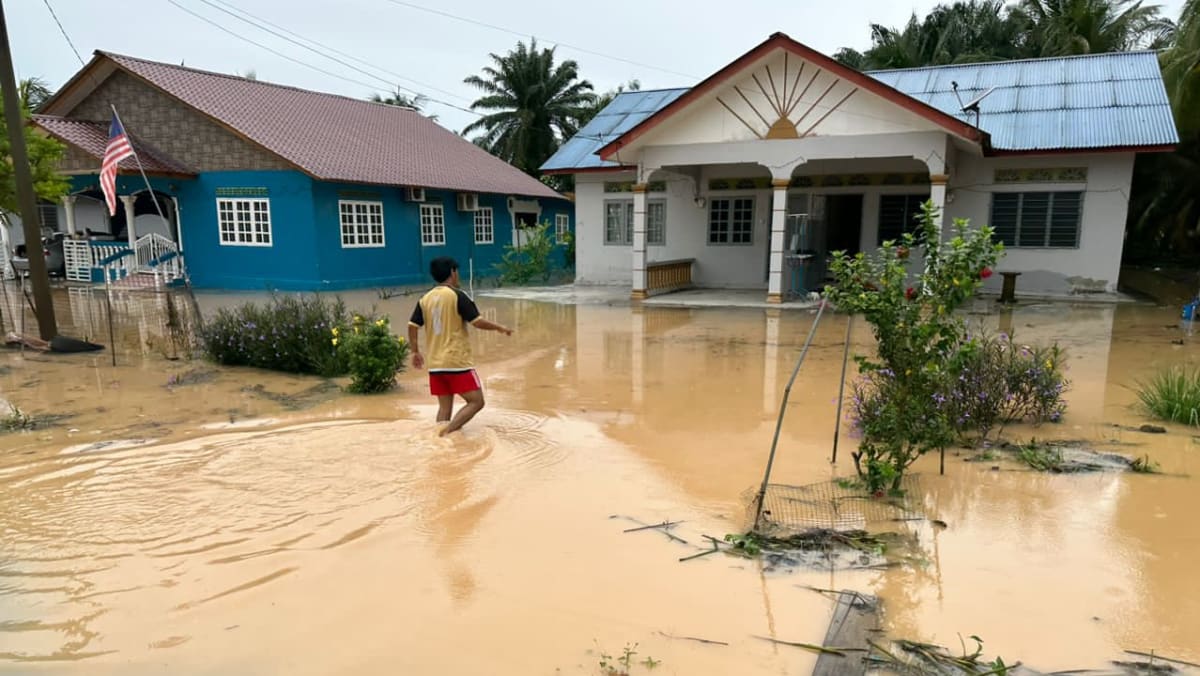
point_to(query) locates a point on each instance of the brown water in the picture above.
(247, 522)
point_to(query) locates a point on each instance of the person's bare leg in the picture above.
(445, 407)
(473, 406)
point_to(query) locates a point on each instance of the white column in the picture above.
(778, 233)
(639, 242)
(937, 194)
(128, 201)
(69, 207)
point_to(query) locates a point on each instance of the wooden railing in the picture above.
(667, 276)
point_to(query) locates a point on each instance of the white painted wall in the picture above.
(1096, 264)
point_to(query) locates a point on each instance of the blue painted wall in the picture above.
(306, 252)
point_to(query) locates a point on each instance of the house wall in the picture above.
(1095, 265)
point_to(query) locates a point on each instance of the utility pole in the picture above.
(43, 304)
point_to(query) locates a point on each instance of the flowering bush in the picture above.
(912, 317)
(996, 381)
(288, 333)
(372, 354)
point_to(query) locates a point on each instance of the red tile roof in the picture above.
(337, 138)
(92, 137)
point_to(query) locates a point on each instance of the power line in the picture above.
(64, 32)
(332, 58)
(341, 53)
(510, 31)
(290, 58)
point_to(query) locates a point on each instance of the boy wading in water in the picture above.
(444, 313)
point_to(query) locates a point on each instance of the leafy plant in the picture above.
(1173, 395)
(1042, 458)
(16, 420)
(995, 381)
(1144, 465)
(621, 665)
(522, 263)
(288, 333)
(896, 401)
(372, 354)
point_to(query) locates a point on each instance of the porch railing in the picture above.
(667, 276)
(6, 268)
(83, 259)
(151, 247)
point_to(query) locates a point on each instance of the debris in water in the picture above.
(705, 641)
(818, 548)
(1067, 458)
(1153, 429)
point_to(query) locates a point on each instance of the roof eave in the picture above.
(1139, 149)
(589, 170)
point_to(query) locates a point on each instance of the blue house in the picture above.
(257, 185)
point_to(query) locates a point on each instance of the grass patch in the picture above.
(1173, 395)
(16, 420)
(1144, 465)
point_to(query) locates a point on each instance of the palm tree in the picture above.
(531, 105)
(34, 92)
(413, 103)
(1181, 69)
(1066, 27)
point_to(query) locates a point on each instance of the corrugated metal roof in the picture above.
(625, 112)
(1070, 103)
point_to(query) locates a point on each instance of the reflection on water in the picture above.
(226, 520)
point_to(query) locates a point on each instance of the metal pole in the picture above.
(26, 198)
(112, 341)
(837, 424)
(22, 306)
(150, 188)
(762, 493)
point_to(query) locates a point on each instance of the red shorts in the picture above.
(454, 382)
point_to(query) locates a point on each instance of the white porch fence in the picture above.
(6, 268)
(114, 261)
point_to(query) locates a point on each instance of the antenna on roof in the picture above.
(973, 105)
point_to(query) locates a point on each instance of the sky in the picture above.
(418, 46)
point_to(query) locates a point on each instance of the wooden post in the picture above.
(38, 275)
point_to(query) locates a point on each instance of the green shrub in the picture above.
(911, 313)
(372, 354)
(531, 260)
(1173, 395)
(994, 381)
(288, 333)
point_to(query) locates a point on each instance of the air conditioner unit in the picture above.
(468, 201)
(414, 194)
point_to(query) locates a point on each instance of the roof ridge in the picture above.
(265, 83)
(652, 91)
(996, 62)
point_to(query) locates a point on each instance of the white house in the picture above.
(749, 179)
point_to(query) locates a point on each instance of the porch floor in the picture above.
(573, 294)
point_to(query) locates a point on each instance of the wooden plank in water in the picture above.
(854, 617)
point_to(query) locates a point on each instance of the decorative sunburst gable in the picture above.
(785, 109)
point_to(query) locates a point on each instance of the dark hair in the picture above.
(442, 267)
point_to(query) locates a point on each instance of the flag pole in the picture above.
(138, 161)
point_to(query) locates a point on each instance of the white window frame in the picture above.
(562, 227)
(626, 234)
(433, 225)
(485, 226)
(732, 199)
(358, 230)
(231, 235)
(662, 238)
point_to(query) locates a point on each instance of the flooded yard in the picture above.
(176, 517)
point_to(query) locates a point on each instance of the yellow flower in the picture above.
(335, 331)
(357, 319)
(381, 323)
(955, 282)
(334, 341)
(908, 372)
(941, 309)
(1049, 364)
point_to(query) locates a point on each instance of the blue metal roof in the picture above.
(1069, 103)
(624, 113)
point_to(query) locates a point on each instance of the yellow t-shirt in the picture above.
(444, 313)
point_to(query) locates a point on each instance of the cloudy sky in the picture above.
(429, 47)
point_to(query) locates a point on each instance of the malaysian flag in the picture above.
(118, 149)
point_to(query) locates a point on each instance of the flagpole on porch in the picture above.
(142, 171)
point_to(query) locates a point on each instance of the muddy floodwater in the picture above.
(174, 517)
